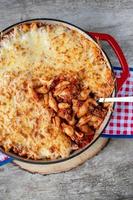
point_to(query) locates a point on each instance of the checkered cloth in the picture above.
(121, 124)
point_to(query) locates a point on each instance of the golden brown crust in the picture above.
(50, 78)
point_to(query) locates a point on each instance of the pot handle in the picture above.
(119, 53)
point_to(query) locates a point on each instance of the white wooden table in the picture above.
(108, 176)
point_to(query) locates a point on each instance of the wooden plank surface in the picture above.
(108, 176)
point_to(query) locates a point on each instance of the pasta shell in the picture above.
(84, 94)
(85, 128)
(68, 130)
(83, 109)
(52, 102)
(75, 105)
(83, 120)
(63, 105)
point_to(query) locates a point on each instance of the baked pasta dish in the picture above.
(50, 79)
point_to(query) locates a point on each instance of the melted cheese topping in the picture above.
(29, 53)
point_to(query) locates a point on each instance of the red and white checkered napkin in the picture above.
(121, 123)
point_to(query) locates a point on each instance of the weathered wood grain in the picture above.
(108, 176)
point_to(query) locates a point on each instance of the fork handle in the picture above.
(116, 99)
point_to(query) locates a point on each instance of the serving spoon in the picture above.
(116, 99)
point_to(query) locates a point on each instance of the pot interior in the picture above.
(106, 120)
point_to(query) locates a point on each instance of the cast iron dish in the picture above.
(118, 84)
